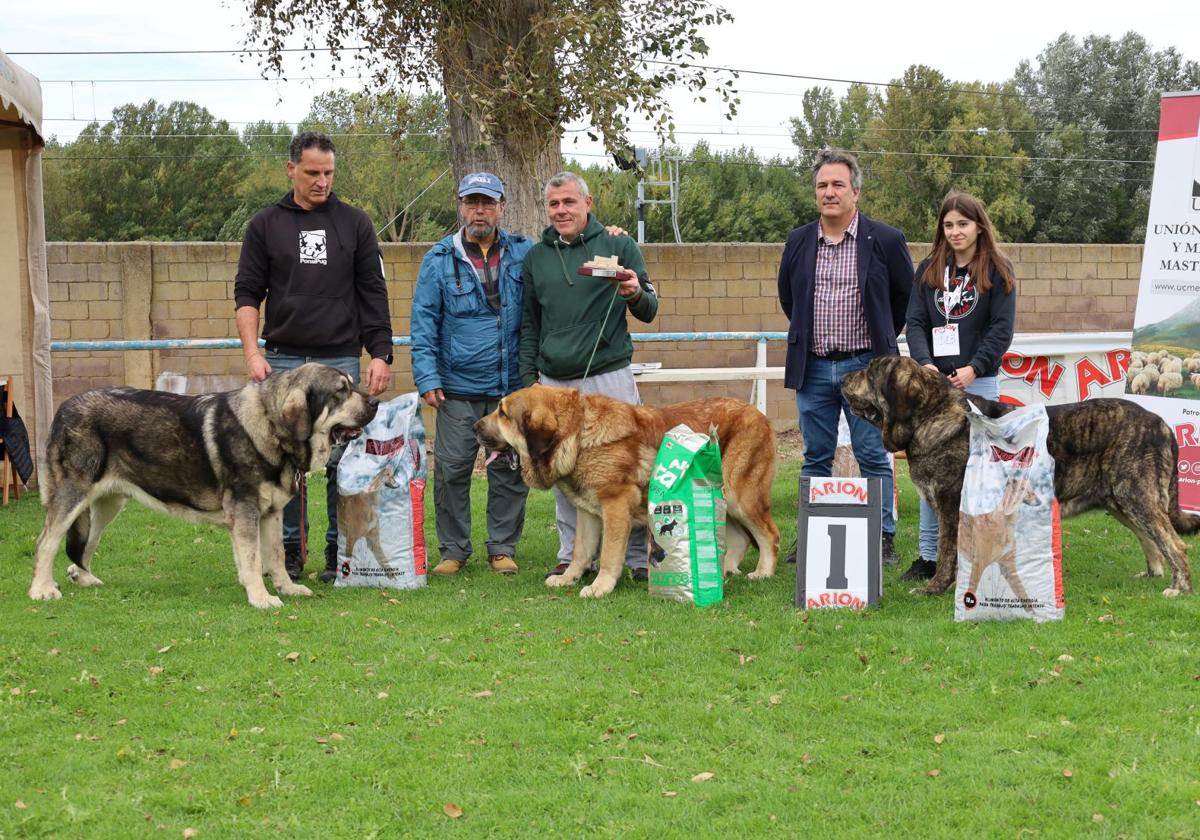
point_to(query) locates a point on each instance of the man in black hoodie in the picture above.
(316, 262)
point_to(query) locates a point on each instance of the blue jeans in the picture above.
(819, 402)
(984, 386)
(351, 366)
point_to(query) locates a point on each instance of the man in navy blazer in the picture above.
(844, 283)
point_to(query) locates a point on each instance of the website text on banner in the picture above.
(1164, 365)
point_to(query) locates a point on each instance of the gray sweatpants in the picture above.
(619, 384)
(454, 451)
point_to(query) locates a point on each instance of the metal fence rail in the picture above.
(1029, 344)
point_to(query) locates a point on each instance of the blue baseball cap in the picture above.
(481, 183)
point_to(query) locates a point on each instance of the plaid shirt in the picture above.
(839, 322)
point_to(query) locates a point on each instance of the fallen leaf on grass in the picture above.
(934, 773)
(20, 804)
(864, 659)
(156, 669)
(482, 695)
(53, 652)
(805, 759)
(383, 695)
(1106, 618)
(177, 764)
(1066, 657)
(669, 793)
(1097, 818)
(775, 699)
(939, 738)
(1067, 773)
(320, 739)
(15, 692)
(646, 759)
(703, 777)
(337, 736)
(164, 648)
(452, 811)
(189, 833)
(293, 656)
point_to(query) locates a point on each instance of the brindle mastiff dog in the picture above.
(1108, 453)
(599, 451)
(231, 459)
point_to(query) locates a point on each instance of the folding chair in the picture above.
(8, 474)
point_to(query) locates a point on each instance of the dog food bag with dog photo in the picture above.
(1009, 547)
(687, 518)
(381, 500)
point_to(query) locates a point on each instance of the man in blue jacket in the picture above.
(466, 324)
(844, 283)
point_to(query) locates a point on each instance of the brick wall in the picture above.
(142, 290)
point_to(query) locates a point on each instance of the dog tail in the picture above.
(1185, 523)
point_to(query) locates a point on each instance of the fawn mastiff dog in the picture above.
(599, 451)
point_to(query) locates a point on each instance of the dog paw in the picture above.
(82, 577)
(45, 592)
(555, 581)
(290, 588)
(923, 590)
(266, 602)
(1171, 592)
(763, 575)
(1148, 574)
(595, 590)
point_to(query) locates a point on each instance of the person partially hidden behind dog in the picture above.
(316, 262)
(961, 318)
(574, 333)
(844, 283)
(466, 322)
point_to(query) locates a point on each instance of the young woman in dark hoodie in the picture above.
(961, 317)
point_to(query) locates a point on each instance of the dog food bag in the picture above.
(381, 500)
(1009, 547)
(687, 518)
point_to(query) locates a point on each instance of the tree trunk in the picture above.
(521, 140)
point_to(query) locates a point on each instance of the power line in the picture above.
(685, 65)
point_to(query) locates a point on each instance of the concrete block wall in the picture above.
(141, 290)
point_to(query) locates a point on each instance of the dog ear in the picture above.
(294, 411)
(540, 426)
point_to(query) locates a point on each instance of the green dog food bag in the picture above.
(687, 518)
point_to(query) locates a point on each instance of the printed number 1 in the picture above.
(837, 558)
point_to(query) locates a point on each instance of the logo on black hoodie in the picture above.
(312, 247)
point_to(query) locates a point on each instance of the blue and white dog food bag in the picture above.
(381, 500)
(1009, 540)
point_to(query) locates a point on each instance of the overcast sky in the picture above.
(871, 40)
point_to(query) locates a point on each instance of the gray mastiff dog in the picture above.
(232, 459)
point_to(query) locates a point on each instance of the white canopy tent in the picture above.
(25, 312)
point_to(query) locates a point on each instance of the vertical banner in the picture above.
(1164, 366)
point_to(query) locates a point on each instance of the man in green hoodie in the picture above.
(574, 332)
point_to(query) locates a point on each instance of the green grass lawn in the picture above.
(162, 702)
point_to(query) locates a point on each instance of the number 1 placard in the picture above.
(838, 539)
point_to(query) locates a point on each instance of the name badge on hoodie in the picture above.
(312, 247)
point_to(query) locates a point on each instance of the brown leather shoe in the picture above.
(502, 563)
(447, 567)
